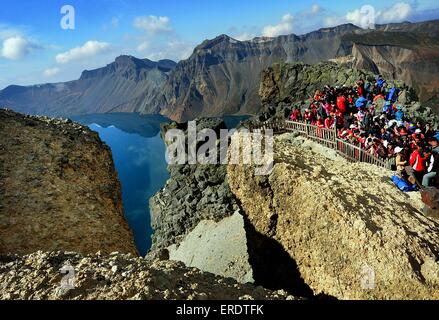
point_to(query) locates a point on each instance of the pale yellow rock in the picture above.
(357, 237)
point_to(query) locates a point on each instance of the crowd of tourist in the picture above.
(385, 132)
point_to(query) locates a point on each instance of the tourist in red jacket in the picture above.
(418, 162)
(296, 115)
(341, 104)
(329, 122)
(308, 116)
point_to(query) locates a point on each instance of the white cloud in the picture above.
(397, 13)
(89, 49)
(8, 32)
(153, 24)
(17, 47)
(51, 72)
(285, 26)
(358, 18)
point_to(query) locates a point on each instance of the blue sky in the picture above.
(35, 49)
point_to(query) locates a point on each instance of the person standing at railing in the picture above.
(296, 115)
(322, 111)
(339, 120)
(308, 116)
(330, 122)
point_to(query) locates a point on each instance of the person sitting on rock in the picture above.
(399, 115)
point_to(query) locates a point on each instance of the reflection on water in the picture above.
(139, 156)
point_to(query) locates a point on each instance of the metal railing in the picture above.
(328, 138)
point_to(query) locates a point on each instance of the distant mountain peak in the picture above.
(127, 62)
(221, 39)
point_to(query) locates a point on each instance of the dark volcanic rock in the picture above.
(193, 193)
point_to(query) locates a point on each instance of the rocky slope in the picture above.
(409, 53)
(117, 277)
(126, 85)
(58, 189)
(352, 234)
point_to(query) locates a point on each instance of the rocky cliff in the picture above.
(199, 221)
(222, 76)
(59, 189)
(61, 210)
(352, 234)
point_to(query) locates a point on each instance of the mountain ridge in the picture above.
(222, 76)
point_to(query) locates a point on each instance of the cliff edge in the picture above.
(58, 189)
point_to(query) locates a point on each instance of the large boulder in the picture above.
(223, 251)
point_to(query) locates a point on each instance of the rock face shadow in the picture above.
(273, 268)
